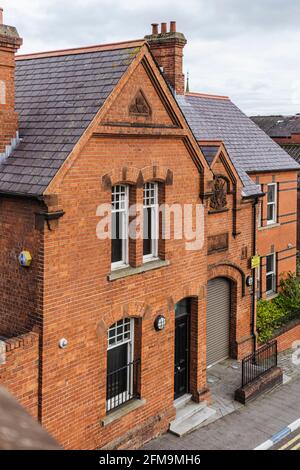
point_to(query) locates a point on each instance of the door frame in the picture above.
(187, 315)
(231, 317)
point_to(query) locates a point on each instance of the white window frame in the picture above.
(116, 401)
(154, 222)
(124, 262)
(258, 282)
(274, 204)
(273, 273)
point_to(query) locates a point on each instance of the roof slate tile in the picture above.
(57, 98)
(249, 148)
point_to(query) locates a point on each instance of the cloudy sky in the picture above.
(247, 49)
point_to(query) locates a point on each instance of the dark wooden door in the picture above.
(181, 382)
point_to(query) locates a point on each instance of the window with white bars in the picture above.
(150, 222)
(120, 333)
(272, 204)
(119, 214)
(122, 370)
(271, 274)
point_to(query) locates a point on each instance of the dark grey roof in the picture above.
(292, 150)
(57, 98)
(249, 148)
(209, 151)
(278, 126)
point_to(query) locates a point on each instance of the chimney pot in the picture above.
(163, 28)
(1, 15)
(154, 28)
(173, 27)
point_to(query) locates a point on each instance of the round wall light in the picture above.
(160, 323)
(63, 343)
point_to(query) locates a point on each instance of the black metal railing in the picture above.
(259, 362)
(123, 385)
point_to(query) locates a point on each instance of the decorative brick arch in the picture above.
(126, 175)
(157, 173)
(126, 310)
(231, 271)
(137, 177)
(191, 290)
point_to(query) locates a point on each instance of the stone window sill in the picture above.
(126, 272)
(272, 296)
(265, 227)
(122, 411)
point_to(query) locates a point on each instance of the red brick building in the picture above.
(99, 335)
(285, 130)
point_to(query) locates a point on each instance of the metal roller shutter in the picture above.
(218, 320)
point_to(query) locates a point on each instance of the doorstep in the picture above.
(189, 415)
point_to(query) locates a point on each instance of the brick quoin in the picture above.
(66, 293)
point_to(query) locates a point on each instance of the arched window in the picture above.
(122, 364)
(119, 242)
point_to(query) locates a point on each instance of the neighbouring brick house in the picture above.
(285, 130)
(93, 324)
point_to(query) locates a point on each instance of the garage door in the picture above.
(218, 320)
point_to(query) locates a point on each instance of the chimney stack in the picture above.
(10, 42)
(167, 48)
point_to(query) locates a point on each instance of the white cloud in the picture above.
(247, 50)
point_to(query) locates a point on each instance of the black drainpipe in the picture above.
(253, 332)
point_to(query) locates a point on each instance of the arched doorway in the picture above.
(218, 320)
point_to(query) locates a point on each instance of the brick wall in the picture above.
(288, 335)
(280, 238)
(20, 287)
(19, 373)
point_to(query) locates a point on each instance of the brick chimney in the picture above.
(167, 48)
(10, 42)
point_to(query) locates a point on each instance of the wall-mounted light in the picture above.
(25, 259)
(249, 281)
(160, 323)
(63, 343)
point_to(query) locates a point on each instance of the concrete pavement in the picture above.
(243, 429)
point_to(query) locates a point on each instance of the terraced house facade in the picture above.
(102, 334)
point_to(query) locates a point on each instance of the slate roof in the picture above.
(249, 148)
(278, 126)
(57, 97)
(209, 151)
(293, 150)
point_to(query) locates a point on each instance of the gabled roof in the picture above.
(57, 96)
(278, 126)
(249, 148)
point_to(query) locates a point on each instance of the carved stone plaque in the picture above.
(218, 199)
(139, 106)
(218, 243)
